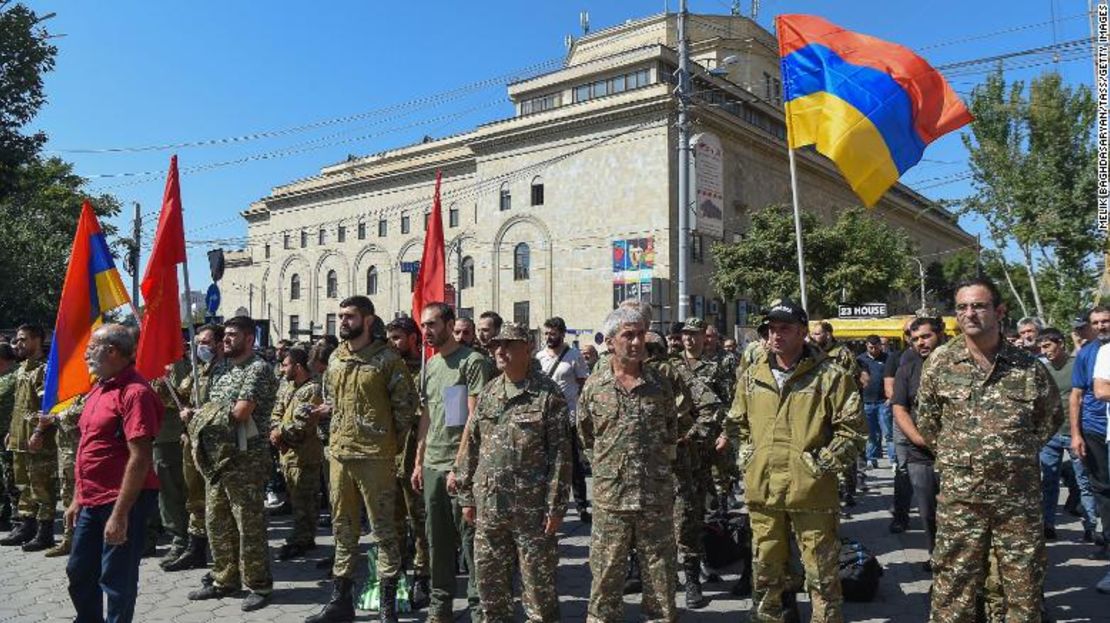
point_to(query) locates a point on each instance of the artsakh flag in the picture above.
(431, 280)
(92, 287)
(868, 105)
(160, 340)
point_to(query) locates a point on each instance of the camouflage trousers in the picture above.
(967, 534)
(819, 546)
(302, 482)
(410, 517)
(171, 492)
(194, 490)
(236, 522)
(355, 482)
(9, 494)
(36, 477)
(724, 469)
(504, 543)
(67, 461)
(689, 516)
(612, 536)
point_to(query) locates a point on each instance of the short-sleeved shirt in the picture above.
(1092, 412)
(873, 391)
(893, 360)
(571, 369)
(1062, 376)
(448, 381)
(117, 410)
(906, 381)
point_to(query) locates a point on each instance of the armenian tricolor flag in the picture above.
(869, 105)
(92, 287)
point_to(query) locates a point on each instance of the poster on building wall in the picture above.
(633, 268)
(708, 187)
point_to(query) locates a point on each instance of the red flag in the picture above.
(430, 282)
(160, 338)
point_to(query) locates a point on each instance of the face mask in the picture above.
(205, 353)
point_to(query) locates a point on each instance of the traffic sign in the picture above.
(212, 299)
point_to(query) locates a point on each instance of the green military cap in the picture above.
(693, 325)
(512, 332)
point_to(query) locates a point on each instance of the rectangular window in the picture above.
(453, 217)
(616, 85)
(506, 202)
(537, 194)
(466, 312)
(582, 93)
(304, 239)
(287, 241)
(696, 251)
(294, 326)
(341, 234)
(520, 313)
(778, 91)
(267, 251)
(767, 86)
(383, 228)
(322, 237)
(600, 88)
(404, 223)
(361, 230)
(330, 324)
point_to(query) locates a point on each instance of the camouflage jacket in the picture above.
(30, 382)
(7, 400)
(630, 437)
(252, 380)
(292, 416)
(69, 434)
(374, 401)
(843, 355)
(517, 455)
(987, 428)
(205, 373)
(792, 441)
(715, 376)
(166, 388)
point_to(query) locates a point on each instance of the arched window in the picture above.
(333, 285)
(294, 287)
(522, 260)
(467, 276)
(506, 197)
(537, 191)
(372, 280)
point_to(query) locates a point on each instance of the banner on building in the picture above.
(633, 268)
(708, 187)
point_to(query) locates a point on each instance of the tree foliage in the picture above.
(858, 258)
(25, 55)
(1032, 158)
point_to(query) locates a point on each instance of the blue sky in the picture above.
(137, 74)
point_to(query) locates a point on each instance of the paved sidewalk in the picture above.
(33, 588)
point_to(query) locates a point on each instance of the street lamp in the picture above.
(921, 274)
(720, 71)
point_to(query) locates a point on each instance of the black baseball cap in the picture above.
(785, 310)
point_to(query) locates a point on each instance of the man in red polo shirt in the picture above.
(116, 487)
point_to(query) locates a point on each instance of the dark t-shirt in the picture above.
(906, 382)
(890, 368)
(873, 391)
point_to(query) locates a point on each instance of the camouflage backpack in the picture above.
(214, 438)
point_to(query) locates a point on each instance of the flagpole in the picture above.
(798, 230)
(192, 333)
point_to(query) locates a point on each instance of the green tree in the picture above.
(25, 55)
(39, 217)
(858, 258)
(1033, 164)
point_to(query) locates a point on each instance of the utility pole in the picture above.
(683, 92)
(921, 274)
(459, 280)
(136, 238)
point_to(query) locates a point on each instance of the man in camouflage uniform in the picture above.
(986, 408)
(210, 357)
(234, 508)
(514, 477)
(374, 401)
(8, 493)
(821, 335)
(411, 516)
(35, 452)
(696, 453)
(796, 421)
(629, 431)
(293, 433)
(68, 438)
(169, 462)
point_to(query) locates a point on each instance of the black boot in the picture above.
(6, 517)
(341, 607)
(694, 598)
(175, 551)
(44, 538)
(194, 557)
(632, 583)
(22, 534)
(421, 592)
(387, 610)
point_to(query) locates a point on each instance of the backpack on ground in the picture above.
(859, 571)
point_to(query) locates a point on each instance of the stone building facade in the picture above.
(534, 204)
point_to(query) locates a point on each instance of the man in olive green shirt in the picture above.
(8, 492)
(453, 378)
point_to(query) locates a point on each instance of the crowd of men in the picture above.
(471, 458)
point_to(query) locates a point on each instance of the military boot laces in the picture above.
(44, 538)
(340, 608)
(695, 600)
(22, 534)
(387, 610)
